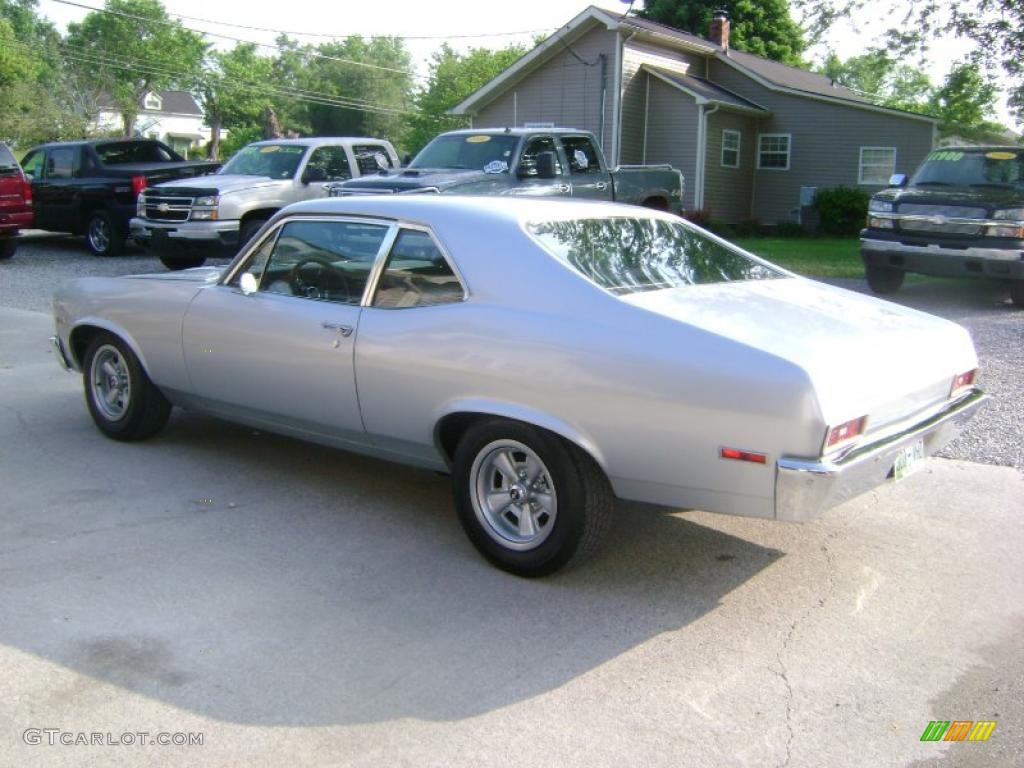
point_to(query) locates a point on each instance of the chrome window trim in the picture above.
(403, 224)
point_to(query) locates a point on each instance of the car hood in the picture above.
(218, 184)
(417, 178)
(982, 197)
(862, 355)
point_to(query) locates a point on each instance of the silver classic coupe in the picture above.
(551, 355)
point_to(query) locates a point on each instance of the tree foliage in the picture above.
(133, 47)
(765, 28)
(881, 78)
(966, 104)
(234, 90)
(453, 76)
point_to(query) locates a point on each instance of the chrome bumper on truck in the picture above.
(804, 488)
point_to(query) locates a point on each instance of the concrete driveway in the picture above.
(302, 606)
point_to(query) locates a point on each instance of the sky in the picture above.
(489, 23)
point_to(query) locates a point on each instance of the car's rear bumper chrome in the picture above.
(804, 488)
(62, 355)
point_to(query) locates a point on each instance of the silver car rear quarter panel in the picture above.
(805, 488)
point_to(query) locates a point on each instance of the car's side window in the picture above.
(332, 161)
(581, 154)
(32, 165)
(371, 158)
(416, 274)
(325, 260)
(536, 145)
(257, 263)
(61, 163)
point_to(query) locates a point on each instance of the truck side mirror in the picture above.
(313, 173)
(406, 159)
(546, 165)
(898, 180)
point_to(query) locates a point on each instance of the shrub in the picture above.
(748, 228)
(699, 216)
(721, 228)
(789, 229)
(842, 210)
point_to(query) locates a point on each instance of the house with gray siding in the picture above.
(753, 137)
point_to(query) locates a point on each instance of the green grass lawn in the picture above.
(811, 256)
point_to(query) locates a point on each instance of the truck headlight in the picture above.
(1012, 214)
(1015, 231)
(876, 222)
(881, 206)
(208, 201)
(206, 214)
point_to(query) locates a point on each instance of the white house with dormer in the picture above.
(173, 117)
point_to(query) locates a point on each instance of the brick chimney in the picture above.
(719, 31)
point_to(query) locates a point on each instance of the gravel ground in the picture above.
(996, 436)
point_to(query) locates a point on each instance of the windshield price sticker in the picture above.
(1001, 155)
(496, 166)
(268, 150)
(946, 156)
(477, 139)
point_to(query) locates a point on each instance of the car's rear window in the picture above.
(627, 255)
(125, 152)
(7, 161)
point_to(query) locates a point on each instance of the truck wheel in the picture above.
(1017, 293)
(8, 245)
(102, 236)
(883, 280)
(174, 264)
(248, 231)
(123, 402)
(528, 500)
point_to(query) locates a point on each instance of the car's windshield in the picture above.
(629, 255)
(278, 161)
(124, 152)
(972, 168)
(479, 151)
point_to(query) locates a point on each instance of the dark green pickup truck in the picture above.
(550, 162)
(961, 215)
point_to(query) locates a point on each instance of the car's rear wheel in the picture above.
(883, 280)
(1017, 293)
(102, 237)
(123, 402)
(8, 245)
(175, 263)
(529, 501)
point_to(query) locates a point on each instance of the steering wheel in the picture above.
(331, 280)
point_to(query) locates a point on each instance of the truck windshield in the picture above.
(479, 151)
(278, 161)
(972, 168)
(124, 152)
(630, 255)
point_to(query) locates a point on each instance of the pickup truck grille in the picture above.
(166, 208)
(940, 218)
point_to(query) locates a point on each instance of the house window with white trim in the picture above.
(730, 149)
(876, 165)
(153, 102)
(773, 151)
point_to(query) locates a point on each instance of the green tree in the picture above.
(234, 91)
(453, 76)
(764, 27)
(966, 105)
(133, 47)
(882, 79)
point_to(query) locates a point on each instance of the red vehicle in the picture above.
(15, 202)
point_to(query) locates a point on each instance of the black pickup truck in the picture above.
(960, 215)
(89, 187)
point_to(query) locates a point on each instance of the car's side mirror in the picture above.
(898, 180)
(546, 165)
(313, 173)
(406, 159)
(248, 283)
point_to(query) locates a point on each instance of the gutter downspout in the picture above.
(619, 86)
(604, 94)
(647, 114)
(702, 153)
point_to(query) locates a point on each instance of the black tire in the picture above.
(175, 263)
(883, 280)
(248, 231)
(101, 236)
(1017, 293)
(582, 498)
(8, 245)
(145, 410)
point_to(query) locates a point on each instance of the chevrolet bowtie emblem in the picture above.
(163, 207)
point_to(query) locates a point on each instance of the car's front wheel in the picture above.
(175, 263)
(123, 402)
(8, 245)
(528, 500)
(102, 237)
(883, 280)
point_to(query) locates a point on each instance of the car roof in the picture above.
(317, 140)
(94, 142)
(512, 131)
(973, 148)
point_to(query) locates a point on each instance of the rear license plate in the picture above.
(908, 459)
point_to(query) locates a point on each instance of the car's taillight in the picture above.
(138, 184)
(963, 381)
(26, 190)
(844, 432)
(738, 455)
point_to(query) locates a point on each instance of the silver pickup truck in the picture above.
(549, 162)
(186, 221)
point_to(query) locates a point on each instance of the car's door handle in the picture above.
(563, 187)
(344, 330)
(601, 186)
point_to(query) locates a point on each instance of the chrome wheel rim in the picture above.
(99, 234)
(110, 382)
(513, 495)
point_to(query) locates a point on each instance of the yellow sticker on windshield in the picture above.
(271, 148)
(477, 139)
(1001, 155)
